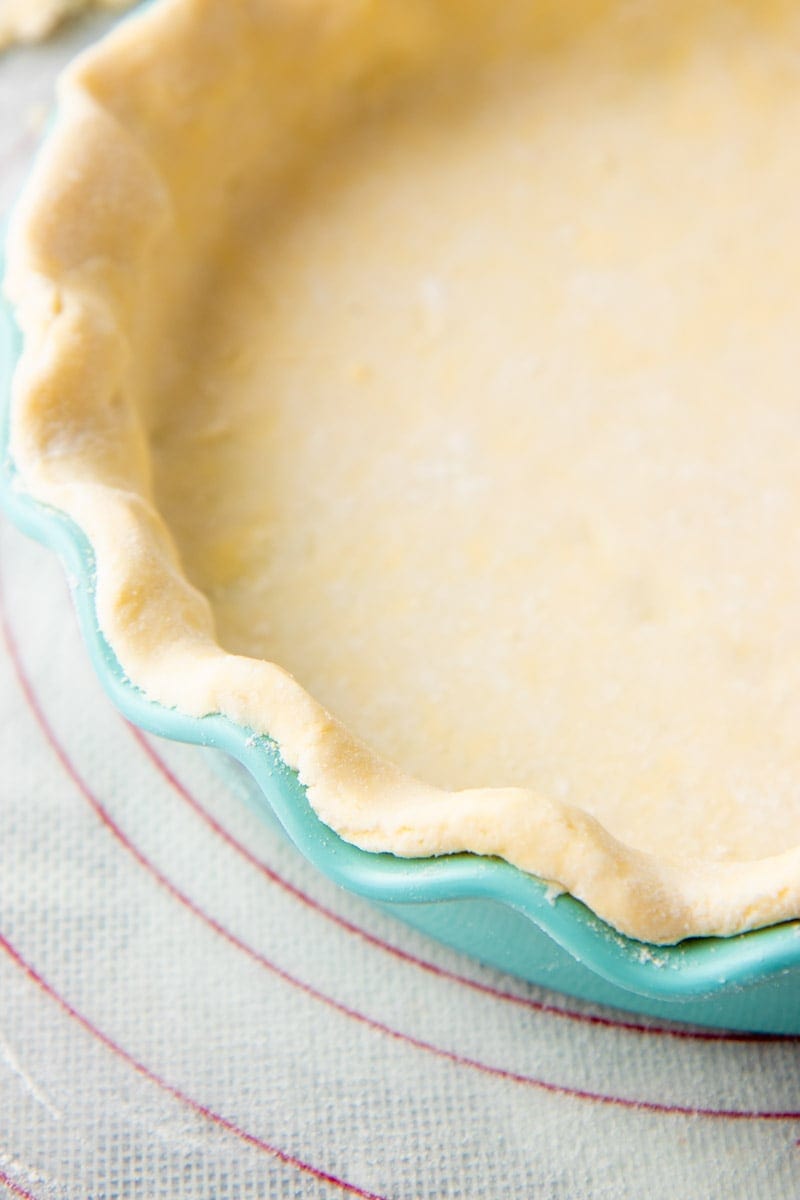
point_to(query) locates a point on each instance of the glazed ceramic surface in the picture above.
(480, 906)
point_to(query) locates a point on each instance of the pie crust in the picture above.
(444, 352)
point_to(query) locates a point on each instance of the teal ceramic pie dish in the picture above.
(482, 907)
(477, 904)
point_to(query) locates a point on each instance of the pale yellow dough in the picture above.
(28, 20)
(446, 354)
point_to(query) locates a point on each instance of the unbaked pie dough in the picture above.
(450, 350)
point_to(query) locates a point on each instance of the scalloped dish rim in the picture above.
(695, 967)
(700, 966)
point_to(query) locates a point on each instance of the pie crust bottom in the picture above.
(447, 358)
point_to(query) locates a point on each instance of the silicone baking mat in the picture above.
(187, 1009)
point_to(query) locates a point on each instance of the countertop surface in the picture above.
(187, 1009)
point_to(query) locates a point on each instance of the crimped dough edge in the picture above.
(111, 186)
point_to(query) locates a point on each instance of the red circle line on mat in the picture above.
(195, 1105)
(13, 1187)
(702, 1035)
(306, 988)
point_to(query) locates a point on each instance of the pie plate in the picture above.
(477, 904)
(480, 906)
